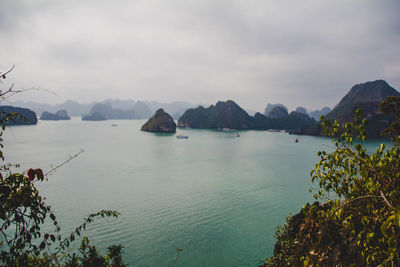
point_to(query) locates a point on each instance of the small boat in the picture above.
(296, 140)
(180, 136)
(115, 125)
(273, 130)
(237, 135)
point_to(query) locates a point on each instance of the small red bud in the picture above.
(46, 236)
(31, 174)
(4, 76)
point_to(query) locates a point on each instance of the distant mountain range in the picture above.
(230, 115)
(105, 111)
(141, 109)
(72, 107)
(316, 114)
(270, 107)
(365, 96)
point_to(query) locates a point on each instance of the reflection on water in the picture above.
(216, 196)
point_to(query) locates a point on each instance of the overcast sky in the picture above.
(300, 53)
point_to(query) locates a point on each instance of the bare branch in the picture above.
(385, 199)
(7, 72)
(65, 162)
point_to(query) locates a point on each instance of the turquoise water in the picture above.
(216, 196)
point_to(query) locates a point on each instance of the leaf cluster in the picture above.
(24, 212)
(360, 223)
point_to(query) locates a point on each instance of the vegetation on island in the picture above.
(278, 112)
(364, 96)
(59, 115)
(230, 115)
(161, 122)
(21, 116)
(357, 221)
(26, 219)
(270, 107)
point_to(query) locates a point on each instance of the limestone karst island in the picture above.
(199, 133)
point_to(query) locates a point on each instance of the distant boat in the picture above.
(273, 130)
(180, 136)
(115, 125)
(237, 135)
(296, 140)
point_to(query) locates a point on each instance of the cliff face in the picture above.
(302, 110)
(365, 96)
(26, 116)
(229, 115)
(59, 115)
(223, 115)
(278, 112)
(161, 122)
(270, 107)
(292, 122)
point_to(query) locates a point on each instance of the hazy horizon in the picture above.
(12, 101)
(307, 53)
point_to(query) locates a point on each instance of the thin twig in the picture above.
(385, 199)
(7, 72)
(65, 162)
(354, 199)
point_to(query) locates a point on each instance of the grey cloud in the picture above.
(303, 53)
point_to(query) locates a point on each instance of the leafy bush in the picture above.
(23, 213)
(361, 226)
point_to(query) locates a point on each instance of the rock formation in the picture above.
(161, 122)
(223, 115)
(272, 106)
(229, 115)
(278, 112)
(24, 116)
(302, 110)
(364, 96)
(59, 115)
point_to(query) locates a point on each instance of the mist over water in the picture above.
(216, 196)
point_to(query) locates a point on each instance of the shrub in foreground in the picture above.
(360, 226)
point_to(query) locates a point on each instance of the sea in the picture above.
(215, 196)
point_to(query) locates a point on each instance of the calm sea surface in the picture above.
(216, 196)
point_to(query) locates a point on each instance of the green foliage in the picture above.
(361, 225)
(392, 105)
(23, 214)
